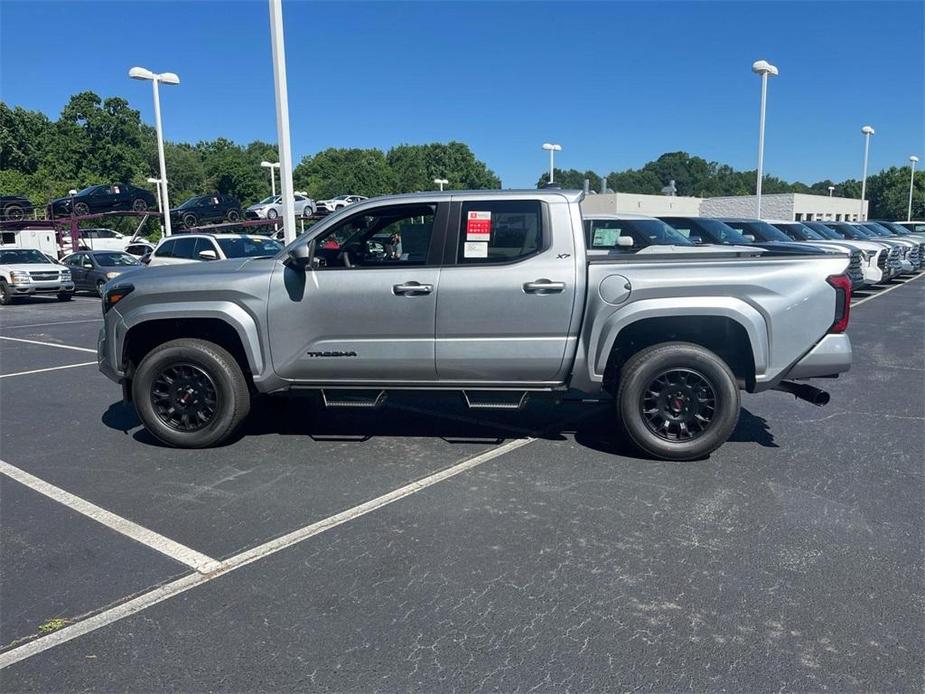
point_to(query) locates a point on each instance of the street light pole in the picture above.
(552, 149)
(763, 68)
(441, 182)
(867, 131)
(912, 160)
(271, 166)
(140, 73)
(282, 119)
(831, 190)
(157, 188)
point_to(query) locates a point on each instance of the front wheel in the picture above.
(81, 209)
(140, 205)
(233, 215)
(99, 287)
(6, 296)
(677, 401)
(272, 214)
(189, 221)
(14, 213)
(65, 296)
(190, 393)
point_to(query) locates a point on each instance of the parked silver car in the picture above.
(272, 207)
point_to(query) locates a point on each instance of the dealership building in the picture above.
(785, 206)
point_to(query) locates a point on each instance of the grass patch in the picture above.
(54, 624)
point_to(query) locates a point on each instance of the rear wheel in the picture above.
(81, 208)
(6, 296)
(233, 215)
(190, 393)
(140, 205)
(189, 221)
(677, 401)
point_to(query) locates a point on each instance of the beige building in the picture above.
(794, 206)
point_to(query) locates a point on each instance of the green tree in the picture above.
(572, 179)
(888, 192)
(415, 167)
(342, 171)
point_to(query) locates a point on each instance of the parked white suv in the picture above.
(27, 271)
(96, 240)
(272, 207)
(337, 203)
(190, 248)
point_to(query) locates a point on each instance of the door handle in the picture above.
(412, 288)
(543, 286)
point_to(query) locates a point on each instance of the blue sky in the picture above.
(616, 84)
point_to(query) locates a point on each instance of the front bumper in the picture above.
(40, 288)
(831, 356)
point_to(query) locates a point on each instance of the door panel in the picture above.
(367, 314)
(353, 325)
(508, 322)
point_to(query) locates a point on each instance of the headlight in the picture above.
(110, 275)
(66, 275)
(19, 276)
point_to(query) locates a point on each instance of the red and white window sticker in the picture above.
(478, 226)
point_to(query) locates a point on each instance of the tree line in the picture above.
(97, 140)
(887, 191)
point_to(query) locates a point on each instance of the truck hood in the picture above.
(34, 267)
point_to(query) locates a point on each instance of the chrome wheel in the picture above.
(184, 397)
(679, 405)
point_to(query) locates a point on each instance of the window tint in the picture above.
(166, 249)
(73, 259)
(184, 248)
(204, 244)
(602, 234)
(500, 231)
(397, 235)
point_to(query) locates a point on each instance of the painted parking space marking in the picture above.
(47, 344)
(50, 368)
(164, 545)
(888, 289)
(185, 583)
(44, 325)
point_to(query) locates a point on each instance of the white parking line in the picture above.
(155, 541)
(888, 290)
(47, 344)
(42, 325)
(181, 585)
(51, 368)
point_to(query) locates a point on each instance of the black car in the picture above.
(104, 198)
(207, 209)
(91, 270)
(15, 207)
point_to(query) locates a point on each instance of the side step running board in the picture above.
(353, 398)
(496, 400)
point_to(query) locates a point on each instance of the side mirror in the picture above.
(749, 237)
(625, 241)
(301, 255)
(696, 239)
(208, 255)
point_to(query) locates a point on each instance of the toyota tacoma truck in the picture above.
(491, 294)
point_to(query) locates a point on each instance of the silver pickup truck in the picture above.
(491, 294)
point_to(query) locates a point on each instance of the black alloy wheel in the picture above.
(233, 215)
(184, 397)
(81, 209)
(14, 213)
(679, 404)
(189, 221)
(140, 205)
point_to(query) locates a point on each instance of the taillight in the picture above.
(842, 286)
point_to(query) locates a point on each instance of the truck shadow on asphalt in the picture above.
(443, 416)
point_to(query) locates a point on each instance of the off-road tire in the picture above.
(637, 376)
(233, 396)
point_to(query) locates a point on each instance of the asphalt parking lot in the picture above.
(424, 548)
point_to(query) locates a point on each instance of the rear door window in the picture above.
(185, 248)
(166, 249)
(495, 231)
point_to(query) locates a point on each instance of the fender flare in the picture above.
(234, 315)
(604, 333)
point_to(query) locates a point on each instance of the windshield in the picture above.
(825, 231)
(877, 229)
(88, 189)
(709, 230)
(603, 233)
(24, 256)
(762, 231)
(847, 231)
(115, 259)
(192, 202)
(800, 232)
(269, 200)
(895, 228)
(248, 247)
